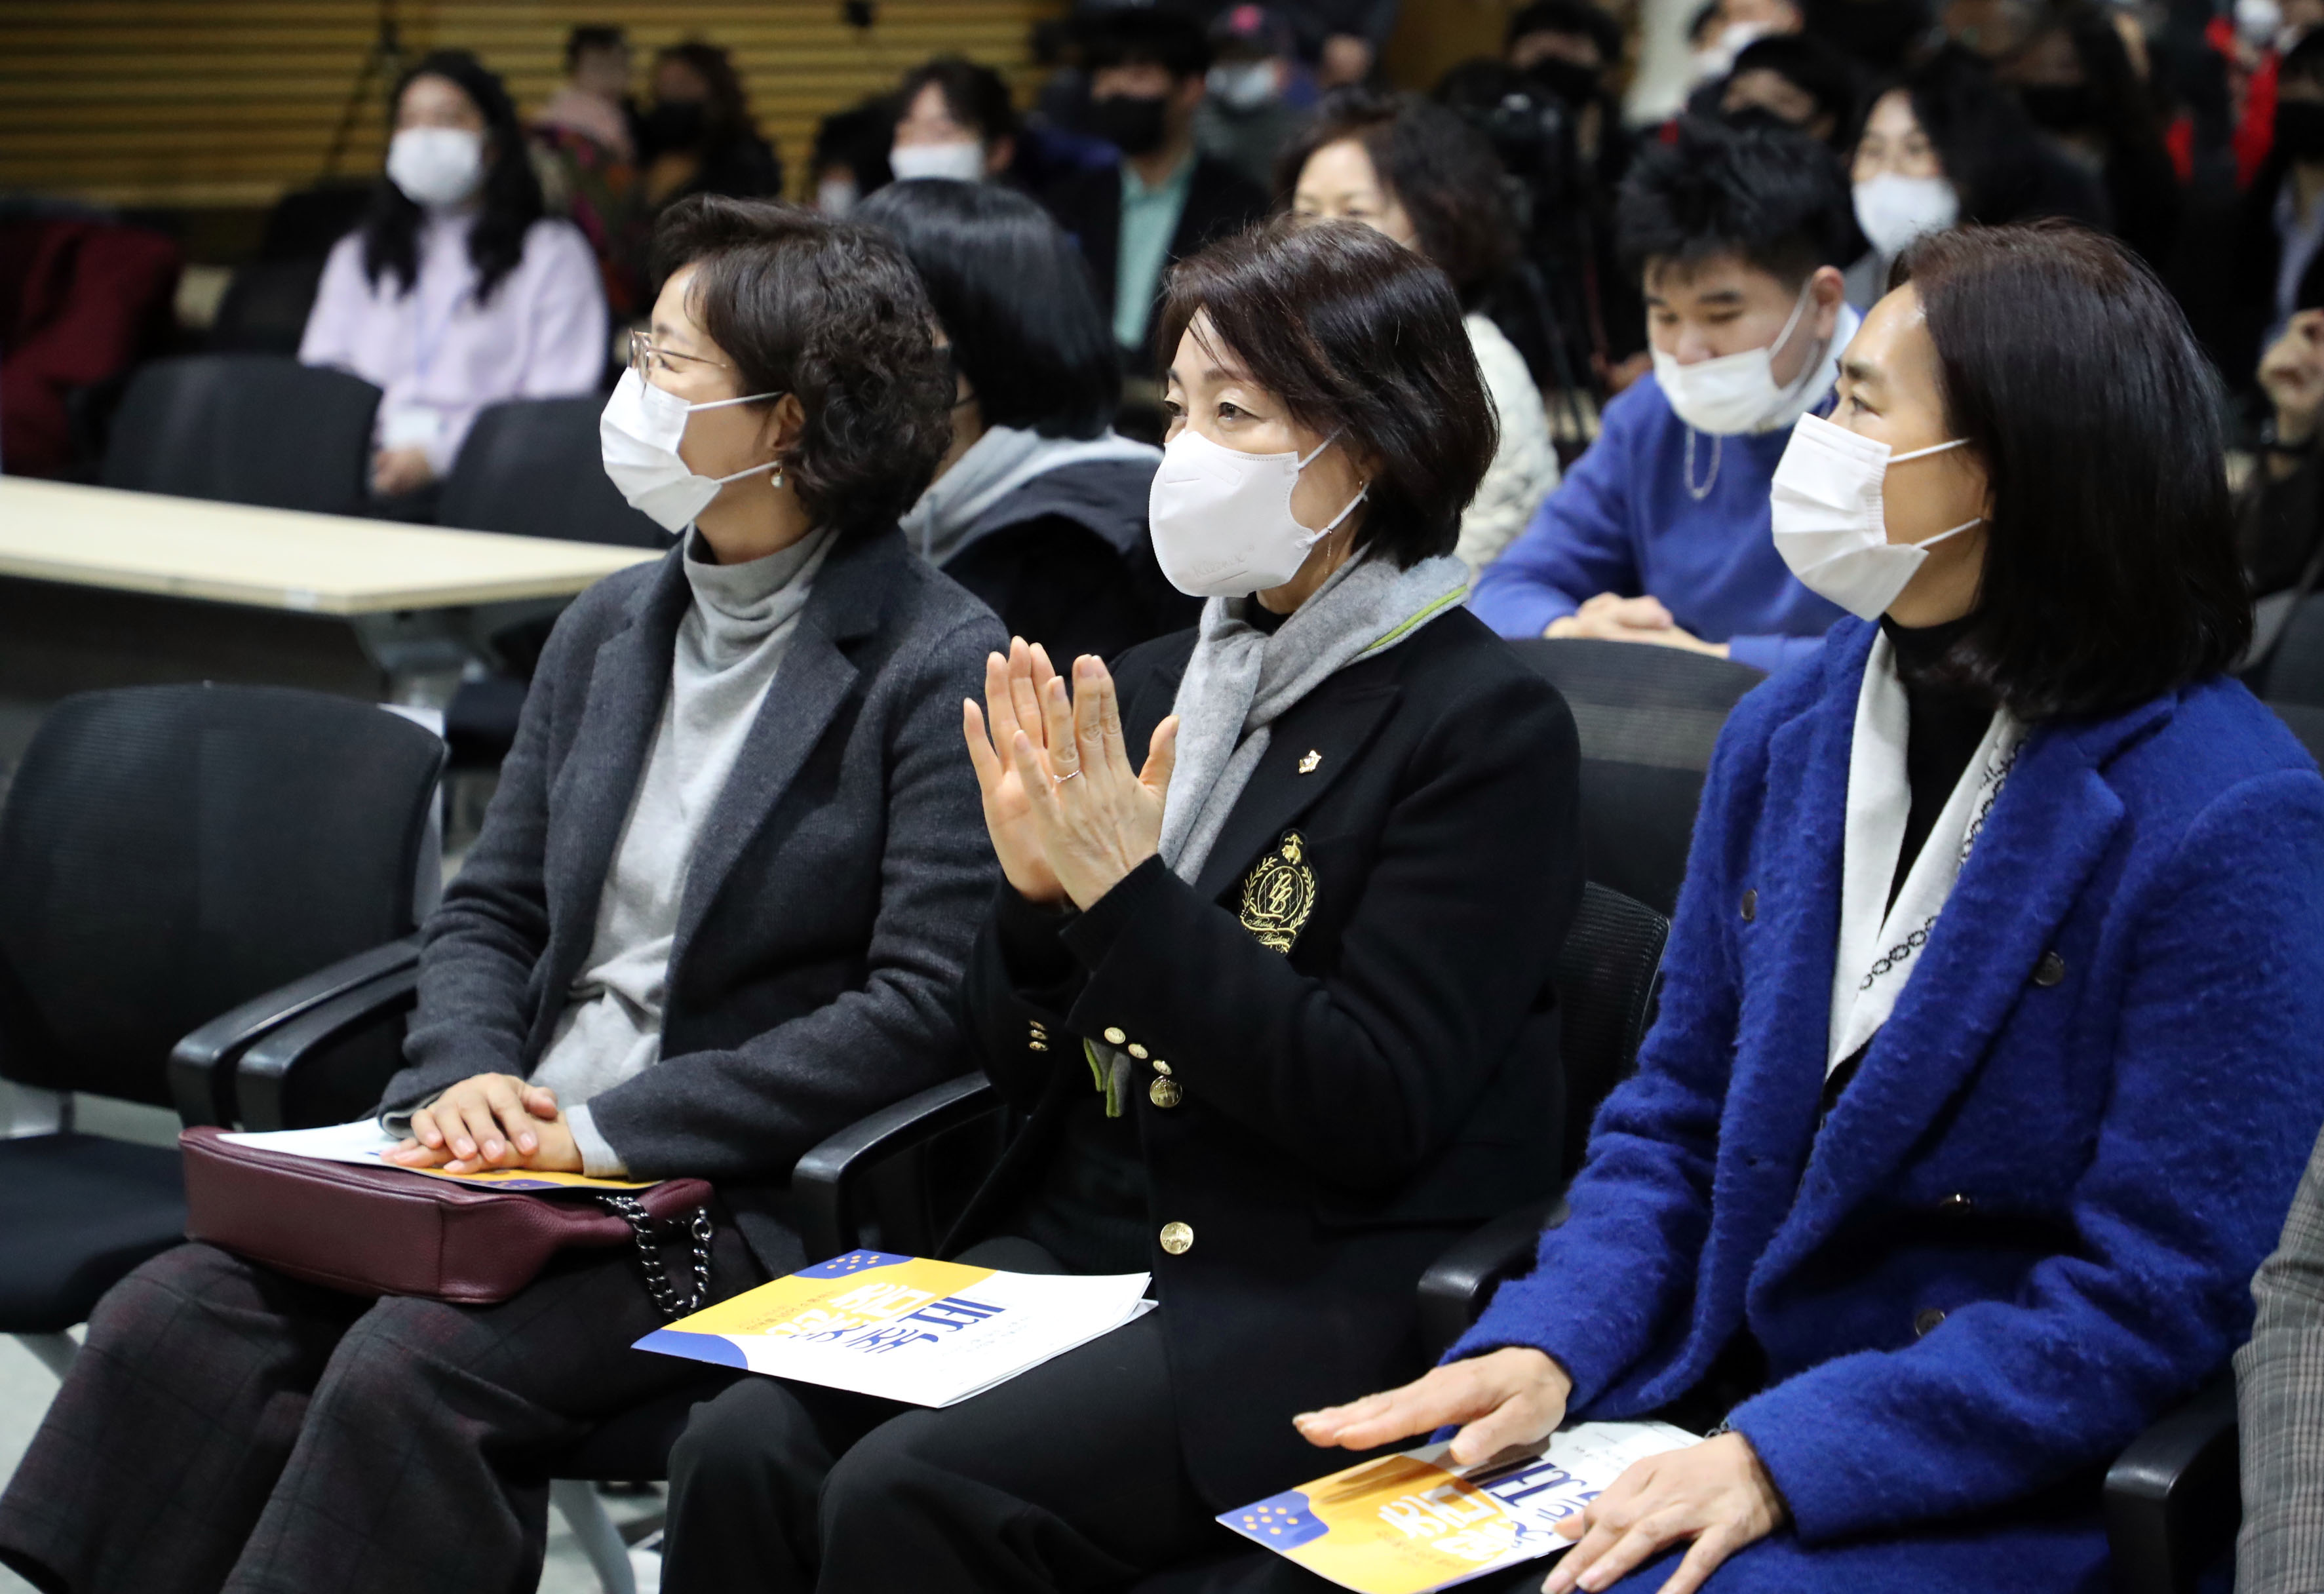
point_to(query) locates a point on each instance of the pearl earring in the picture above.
(775, 478)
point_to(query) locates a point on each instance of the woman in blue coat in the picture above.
(1992, 1040)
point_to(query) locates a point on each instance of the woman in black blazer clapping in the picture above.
(1277, 1007)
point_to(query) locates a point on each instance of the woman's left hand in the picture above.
(1715, 1493)
(1097, 818)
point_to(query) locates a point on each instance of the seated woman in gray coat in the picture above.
(724, 892)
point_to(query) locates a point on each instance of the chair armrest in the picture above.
(1455, 1289)
(825, 1183)
(2175, 1499)
(203, 1091)
(282, 1060)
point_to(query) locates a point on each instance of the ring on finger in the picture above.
(1073, 775)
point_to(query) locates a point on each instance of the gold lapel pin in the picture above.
(1307, 766)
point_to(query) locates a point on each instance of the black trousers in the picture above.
(225, 1427)
(1066, 1478)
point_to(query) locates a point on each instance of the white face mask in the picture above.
(1717, 59)
(1831, 523)
(1222, 518)
(1243, 86)
(1733, 393)
(1895, 210)
(436, 165)
(2258, 22)
(639, 434)
(835, 196)
(962, 161)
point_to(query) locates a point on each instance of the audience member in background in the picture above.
(1341, 40)
(1258, 91)
(1659, 532)
(1880, 36)
(1283, 1116)
(955, 119)
(1734, 25)
(2279, 256)
(1948, 128)
(1793, 80)
(698, 136)
(849, 158)
(2279, 515)
(1571, 48)
(2077, 83)
(587, 154)
(82, 299)
(710, 920)
(457, 291)
(1418, 173)
(1037, 507)
(1905, 1203)
(2279, 1400)
(1164, 200)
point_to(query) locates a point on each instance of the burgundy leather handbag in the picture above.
(387, 1232)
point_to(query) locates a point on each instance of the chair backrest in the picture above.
(1607, 974)
(306, 222)
(167, 853)
(534, 468)
(265, 308)
(247, 429)
(2294, 671)
(1648, 718)
(2307, 722)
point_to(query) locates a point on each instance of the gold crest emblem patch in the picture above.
(1279, 894)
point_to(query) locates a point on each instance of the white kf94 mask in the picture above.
(639, 434)
(1222, 518)
(1832, 522)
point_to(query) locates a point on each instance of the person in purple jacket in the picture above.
(1987, 1063)
(1659, 532)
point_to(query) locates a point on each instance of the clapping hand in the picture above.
(1068, 816)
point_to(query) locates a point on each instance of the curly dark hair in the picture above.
(831, 313)
(1360, 336)
(512, 193)
(1439, 168)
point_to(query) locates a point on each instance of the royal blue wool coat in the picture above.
(2030, 1224)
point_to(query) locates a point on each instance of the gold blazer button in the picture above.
(1177, 1238)
(1164, 1093)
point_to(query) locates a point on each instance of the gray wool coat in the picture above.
(829, 905)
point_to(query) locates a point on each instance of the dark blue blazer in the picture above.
(2030, 1223)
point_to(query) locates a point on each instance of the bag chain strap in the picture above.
(666, 1298)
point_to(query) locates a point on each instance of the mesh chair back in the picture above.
(534, 468)
(2294, 672)
(265, 308)
(1607, 973)
(1648, 718)
(2307, 722)
(168, 851)
(246, 428)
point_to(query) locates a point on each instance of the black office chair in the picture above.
(2306, 720)
(2294, 671)
(306, 222)
(1648, 719)
(167, 855)
(246, 428)
(265, 308)
(534, 468)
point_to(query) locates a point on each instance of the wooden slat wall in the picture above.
(229, 101)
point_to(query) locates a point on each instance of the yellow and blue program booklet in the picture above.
(904, 1328)
(1411, 1523)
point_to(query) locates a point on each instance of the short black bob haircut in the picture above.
(511, 200)
(975, 97)
(833, 313)
(1011, 293)
(2110, 569)
(1360, 336)
(1777, 198)
(1439, 168)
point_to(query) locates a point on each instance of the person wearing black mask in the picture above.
(2076, 81)
(1793, 81)
(2279, 246)
(698, 137)
(1164, 200)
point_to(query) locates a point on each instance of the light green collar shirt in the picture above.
(1149, 219)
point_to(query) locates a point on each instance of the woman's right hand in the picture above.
(1511, 1397)
(1012, 695)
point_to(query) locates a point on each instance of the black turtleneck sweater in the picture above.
(1947, 720)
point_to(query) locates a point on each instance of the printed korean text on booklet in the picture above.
(1410, 1523)
(904, 1328)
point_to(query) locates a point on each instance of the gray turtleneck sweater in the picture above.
(730, 644)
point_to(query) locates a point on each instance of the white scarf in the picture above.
(1879, 943)
(1241, 680)
(996, 465)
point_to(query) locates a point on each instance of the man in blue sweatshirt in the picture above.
(1659, 533)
